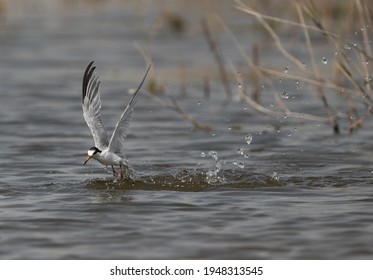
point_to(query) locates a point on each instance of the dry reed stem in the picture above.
(366, 44)
(218, 58)
(188, 118)
(278, 42)
(242, 7)
(176, 108)
(316, 71)
(343, 60)
(344, 64)
(286, 112)
(297, 62)
(255, 93)
(321, 83)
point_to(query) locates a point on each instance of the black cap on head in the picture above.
(95, 149)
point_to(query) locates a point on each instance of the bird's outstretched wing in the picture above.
(121, 129)
(91, 105)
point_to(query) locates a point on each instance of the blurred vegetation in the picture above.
(342, 26)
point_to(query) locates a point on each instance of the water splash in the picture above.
(248, 138)
(285, 95)
(214, 155)
(240, 151)
(238, 163)
(212, 176)
(275, 176)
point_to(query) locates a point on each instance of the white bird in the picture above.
(106, 152)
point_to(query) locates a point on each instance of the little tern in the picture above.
(105, 151)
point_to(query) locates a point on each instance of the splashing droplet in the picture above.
(214, 155)
(248, 138)
(286, 69)
(285, 95)
(324, 60)
(238, 163)
(275, 176)
(240, 151)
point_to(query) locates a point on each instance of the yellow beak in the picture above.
(87, 159)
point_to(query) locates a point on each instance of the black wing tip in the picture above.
(86, 77)
(87, 70)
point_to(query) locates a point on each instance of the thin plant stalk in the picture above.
(218, 58)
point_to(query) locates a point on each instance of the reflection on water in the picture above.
(252, 187)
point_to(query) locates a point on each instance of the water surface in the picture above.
(296, 191)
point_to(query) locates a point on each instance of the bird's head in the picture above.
(91, 154)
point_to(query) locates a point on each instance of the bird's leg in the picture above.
(114, 173)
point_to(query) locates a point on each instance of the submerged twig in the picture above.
(206, 86)
(254, 77)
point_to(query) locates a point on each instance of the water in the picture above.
(296, 191)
